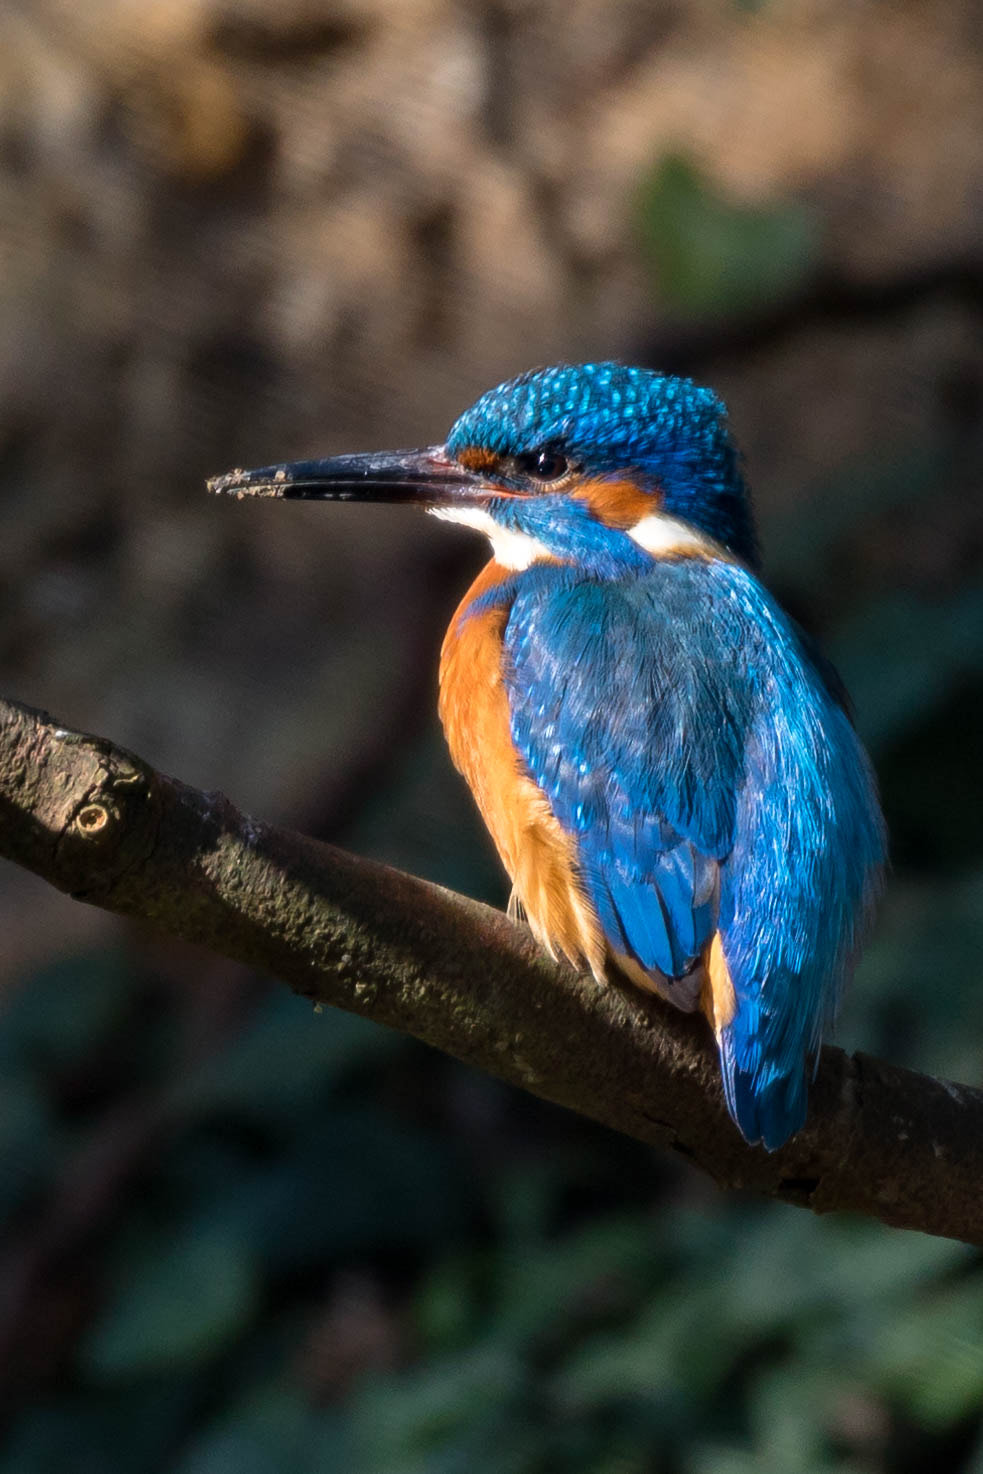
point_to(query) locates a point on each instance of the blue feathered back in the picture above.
(683, 734)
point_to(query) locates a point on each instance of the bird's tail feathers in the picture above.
(767, 1099)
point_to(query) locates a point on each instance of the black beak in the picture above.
(428, 477)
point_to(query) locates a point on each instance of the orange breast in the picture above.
(538, 855)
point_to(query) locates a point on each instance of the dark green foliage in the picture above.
(714, 255)
(523, 1322)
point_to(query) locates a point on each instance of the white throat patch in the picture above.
(513, 550)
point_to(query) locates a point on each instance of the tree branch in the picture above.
(102, 825)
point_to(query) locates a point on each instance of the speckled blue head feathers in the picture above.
(611, 418)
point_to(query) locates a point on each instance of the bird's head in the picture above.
(597, 464)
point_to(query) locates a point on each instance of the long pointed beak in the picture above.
(428, 477)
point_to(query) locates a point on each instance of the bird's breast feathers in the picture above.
(474, 709)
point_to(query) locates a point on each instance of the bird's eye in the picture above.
(542, 465)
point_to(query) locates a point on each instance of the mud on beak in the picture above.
(427, 477)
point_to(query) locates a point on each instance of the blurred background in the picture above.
(236, 1238)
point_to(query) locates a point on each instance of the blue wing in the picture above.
(682, 733)
(610, 713)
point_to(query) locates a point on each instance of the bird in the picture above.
(665, 761)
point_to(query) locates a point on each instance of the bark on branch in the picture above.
(107, 828)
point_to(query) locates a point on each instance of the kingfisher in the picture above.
(665, 762)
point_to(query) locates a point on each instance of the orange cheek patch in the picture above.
(473, 458)
(619, 504)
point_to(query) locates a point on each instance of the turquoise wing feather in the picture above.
(685, 736)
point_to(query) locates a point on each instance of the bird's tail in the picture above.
(767, 1097)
